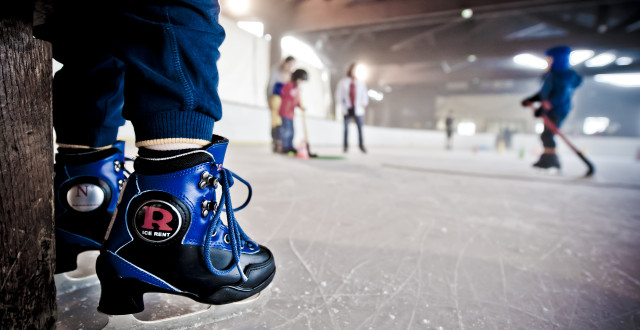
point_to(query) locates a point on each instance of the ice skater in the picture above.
(153, 63)
(353, 95)
(280, 75)
(449, 127)
(290, 100)
(558, 86)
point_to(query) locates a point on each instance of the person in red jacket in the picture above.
(290, 100)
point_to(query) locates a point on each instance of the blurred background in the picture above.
(421, 59)
(412, 235)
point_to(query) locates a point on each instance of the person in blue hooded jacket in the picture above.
(558, 86)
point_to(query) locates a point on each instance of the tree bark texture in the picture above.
(27, 288)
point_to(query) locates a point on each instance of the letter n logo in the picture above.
(84, 191)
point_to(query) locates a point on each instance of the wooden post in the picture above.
(27, 288)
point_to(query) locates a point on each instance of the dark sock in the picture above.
(78, 156)
(150, 153)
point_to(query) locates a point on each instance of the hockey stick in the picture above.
(549, 123)
(306, 134)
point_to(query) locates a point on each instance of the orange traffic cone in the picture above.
(303, 151)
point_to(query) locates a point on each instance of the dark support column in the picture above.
(27, 289)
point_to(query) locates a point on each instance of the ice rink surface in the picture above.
(427, 239)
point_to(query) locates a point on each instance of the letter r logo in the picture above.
(162, 223)
(159, 219)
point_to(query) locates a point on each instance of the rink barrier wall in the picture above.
(244, 124)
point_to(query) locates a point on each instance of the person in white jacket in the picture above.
(352, 96)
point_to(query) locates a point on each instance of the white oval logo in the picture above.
(85, 197)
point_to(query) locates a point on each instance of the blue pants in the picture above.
(547, 135)
(358, 120)
(150, 62)
(286, 134)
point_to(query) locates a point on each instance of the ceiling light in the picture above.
(378, 96)
(579, 56)
(600, 60)
(531, 61)
(619, 79)
(466, 13)
(625, 60)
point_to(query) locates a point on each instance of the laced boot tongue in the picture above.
(236, 236)
(218, 149)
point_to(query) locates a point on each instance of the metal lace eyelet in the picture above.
(226, 239)
(117, 166)
(215, 183)
(251, 246)
(120, 184)
(205, 207)
(204, 179)
(214, 233)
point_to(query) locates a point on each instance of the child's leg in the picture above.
(287, 134)
(87, 102)
(167, 234)
(291, 134)
(346, 132)
(548, 141)
(549, 158)
(87, 112)
(547, 136)
(276, 122)
(170, 50)
(360, 137)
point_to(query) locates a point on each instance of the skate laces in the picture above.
(124, 169)
(119, 166)
(237, 237)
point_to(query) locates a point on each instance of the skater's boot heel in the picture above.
(119, 298)
(118, 295)
(67, 256)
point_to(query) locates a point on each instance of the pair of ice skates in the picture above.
(163, 227)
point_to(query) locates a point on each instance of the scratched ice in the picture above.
(425, 239)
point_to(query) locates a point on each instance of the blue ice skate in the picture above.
(86, 186)
(168, 236)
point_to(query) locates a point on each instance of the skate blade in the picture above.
(548, 171)
(66, 284)
(210, 315)
(552, 171)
